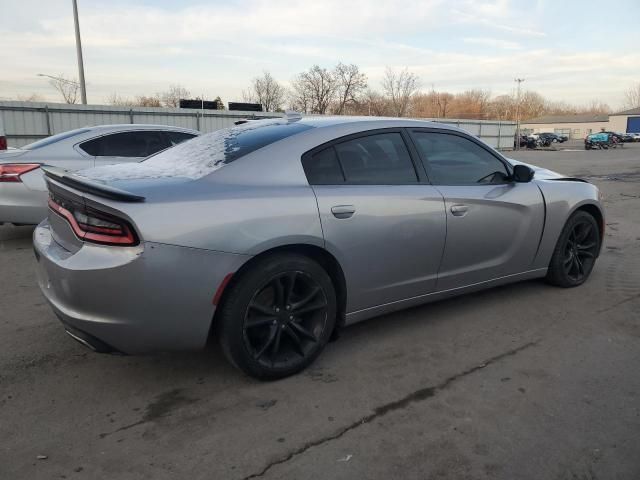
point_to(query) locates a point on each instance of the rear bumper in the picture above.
(18, 204)
(152, 297)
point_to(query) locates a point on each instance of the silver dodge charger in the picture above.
(272, 235)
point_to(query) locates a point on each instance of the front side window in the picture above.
(455, 160)
(380, 159)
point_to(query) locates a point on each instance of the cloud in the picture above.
(493, 42)
(215, 48)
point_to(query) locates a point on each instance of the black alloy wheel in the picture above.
(277, 315)
(576, 251)
(285, 319)
(581, 249)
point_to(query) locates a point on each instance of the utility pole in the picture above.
(83, 88)
(517, 145)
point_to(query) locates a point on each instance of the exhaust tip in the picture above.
(89, 341)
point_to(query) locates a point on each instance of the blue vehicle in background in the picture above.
(602, 140)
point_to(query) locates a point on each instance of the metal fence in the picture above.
(26, 122)
(496, 133)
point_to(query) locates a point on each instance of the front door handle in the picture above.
(343, 211)
(459, 210)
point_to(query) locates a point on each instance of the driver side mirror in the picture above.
(522, 174)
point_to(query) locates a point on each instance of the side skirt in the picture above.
(364, 314)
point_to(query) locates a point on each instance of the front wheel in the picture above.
(576, 251)
(278, 316)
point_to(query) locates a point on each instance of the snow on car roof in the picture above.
(202, 155)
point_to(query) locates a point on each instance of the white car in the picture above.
(23, 192)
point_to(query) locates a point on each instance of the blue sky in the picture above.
(564, 50)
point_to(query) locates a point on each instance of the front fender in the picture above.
(562, 199)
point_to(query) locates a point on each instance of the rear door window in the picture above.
(380, 159)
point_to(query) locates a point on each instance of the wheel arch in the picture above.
(596, 212)
(319, 254)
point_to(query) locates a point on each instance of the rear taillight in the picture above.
(10, 172)
(92, 225)
(3, 142)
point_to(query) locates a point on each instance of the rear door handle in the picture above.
(459, 210)
(343, 211)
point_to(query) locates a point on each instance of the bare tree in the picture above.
(399, 87)
(266, 91)
(67, 88)
(471, 104)
(376, 104)
(443, 102)
(150, 101)
(632, 97)
(314, 90)
(117, 99)
(171, 98)
(351, 84)
(598, 107)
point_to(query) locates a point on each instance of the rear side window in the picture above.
(323, 168)
(126, 144)
(379, 159)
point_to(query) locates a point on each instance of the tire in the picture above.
(278, 316)
(576, 251)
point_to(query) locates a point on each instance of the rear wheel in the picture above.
(278, 316)
(576, 251)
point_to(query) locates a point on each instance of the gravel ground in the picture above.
(521, 382)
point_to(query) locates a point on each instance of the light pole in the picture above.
(83, 88)
(517, 145)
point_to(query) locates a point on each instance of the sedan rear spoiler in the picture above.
(90, 186)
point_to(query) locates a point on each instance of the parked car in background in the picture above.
(601, 140)
(626, 137)
(23, 191)
(635, 136)
(552, 137)
(615, 137)
(562, 137)
(3, 137)
(270, 235)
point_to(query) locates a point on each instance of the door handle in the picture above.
(343, 211)
(459, 210)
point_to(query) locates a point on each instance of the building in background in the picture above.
(579, 126)
(574, 126)
(626, 121)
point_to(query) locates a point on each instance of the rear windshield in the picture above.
(204, 154)
(54, 138)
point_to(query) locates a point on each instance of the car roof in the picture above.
(376, 122)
